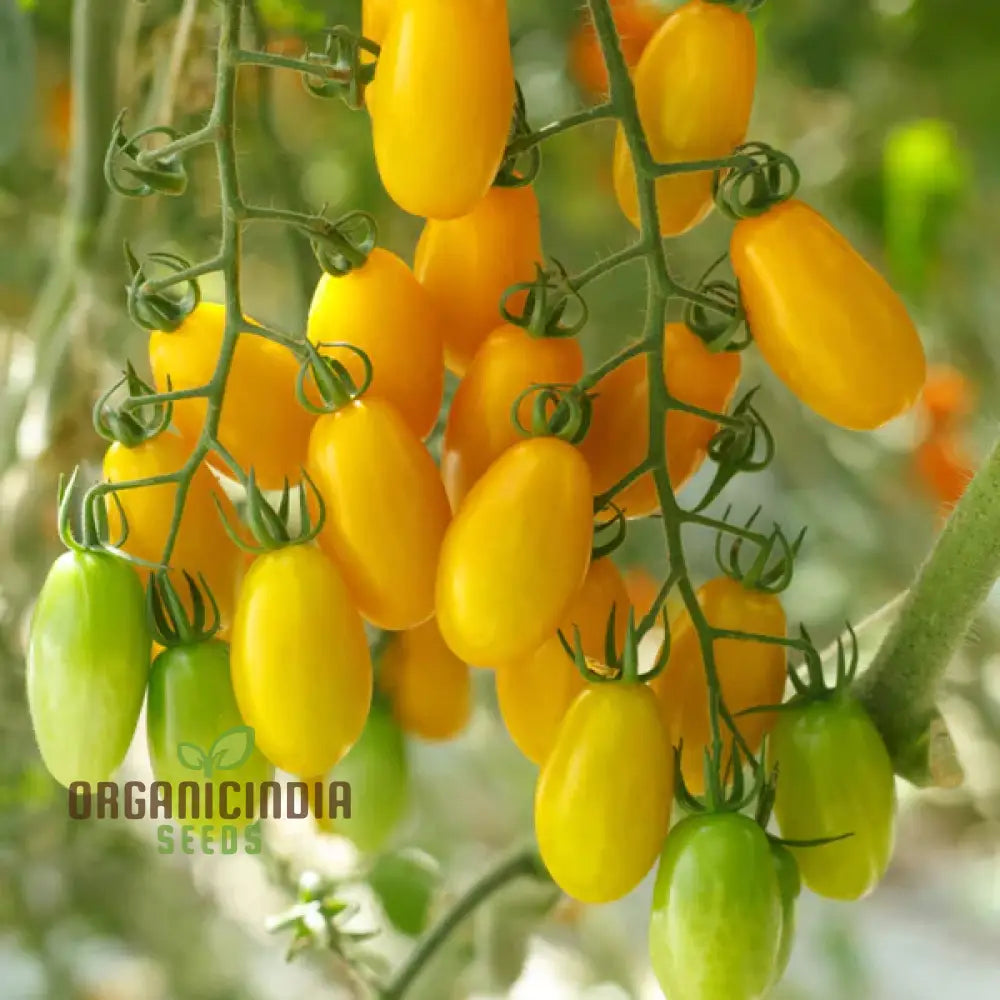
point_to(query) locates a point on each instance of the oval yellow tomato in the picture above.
(386, 510)
(826, 321)
(375, 17)
(467, 264)
(516, 553)
(441, 104)
(618, 439)
(428, 685)
(750, 673)
(202, 545)
(535, 693)
(301, 669)
(271, 438)
(479, 427)
(694, 86)
(382, 309)
(604, 794)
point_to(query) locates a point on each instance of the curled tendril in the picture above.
(546, 304)
(561, 410)
(126, 422)
(170, 621)
(160, 175)
(519, 169)
(814, 684)
(720, 323)
(609, 534)
(772, 567)
(95, 530)
(341, 70)
(271, 527)
(765, 178)
(164, 309)
(344, 244)
(334, 382)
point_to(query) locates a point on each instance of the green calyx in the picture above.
(726, 786)
(95, 531)
(341, 72)
(341, 245)
(560, 410)
(773, 564)
(764, 177)
(333, 381)
(140, 417)
(170, 622)
(162, 306)
(813, 686)
(552, 306)
(718, 318)
(149, 174)
(519, 169)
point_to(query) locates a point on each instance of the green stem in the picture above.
(593, 114)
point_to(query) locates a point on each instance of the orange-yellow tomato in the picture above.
(826, 321)
(751, 674)
(202, 545)
(467, 264)
(386, 510)
(301, 669)
(535, 693)
(695, 87)
(383, 310)
(618, 439)
(604, 794)
(375, 17)
(944, 466)
(428, 685)
(948, 397)
(441, 104)
(262, 425)
(516, 553)
(480, 427)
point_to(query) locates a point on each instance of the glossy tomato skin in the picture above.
(191, 701)
(301, 669)
(862, 362)
(382, 309)
(835, 778)
(535, 693)
(603, 798)
(516, 553)
(790, 887)
(466, 265)
(87, 665)
(375, 16)
(428, 686)
(441, 104)
(636, 20)
(618, 439)
(386, 510)
(262, 424)
(202, 545)
(694, 86)
(750, 673)
(715, 929)
(479, 427)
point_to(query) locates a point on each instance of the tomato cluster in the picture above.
(492, 558)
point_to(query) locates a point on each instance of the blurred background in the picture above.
(889, 107)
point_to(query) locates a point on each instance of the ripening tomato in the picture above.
(192, 719)
(604, 794)
(535, 693)
(386, 510)
(618, 439)
(262, 424)
(944, 466)
(301, 668)
(516, 553)
(378, 773)
(382, 309)
(428, 685)
(87, 665)
(202, 545)
(441, 104)
(467, 264)
(636, 21)
(480, 427)
(716, 926)
(835, 777)
(694, 86)
(750, 673)
(790, 887)
(948, 397)
(862, 362)
(375, 17)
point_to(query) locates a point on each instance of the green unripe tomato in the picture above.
(790, 886)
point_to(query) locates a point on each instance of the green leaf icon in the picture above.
(232, 749)
(192, 756)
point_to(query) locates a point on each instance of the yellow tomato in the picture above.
(516, 553)
(604, 794)
(535, 693)
(441, 104)
(300, 663)
(825, 320)
(618, 439)
(479, 427)
(750, 673)
(467, 264)
(375, 17)
(428, 685)
(382, 309)
(694, 86)
(202, 545)
(262, 424)
(386, 510)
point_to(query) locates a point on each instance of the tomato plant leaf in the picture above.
(192, 756)
(17, 75)
(232, 748)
